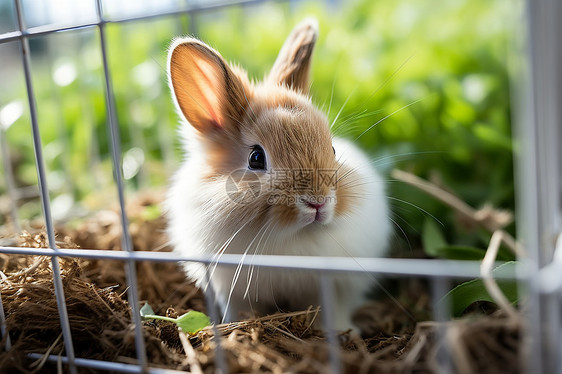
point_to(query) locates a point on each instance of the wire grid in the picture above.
(535, 113)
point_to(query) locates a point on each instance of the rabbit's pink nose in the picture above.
(316, 206)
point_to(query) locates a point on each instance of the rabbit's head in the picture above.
(265, 152)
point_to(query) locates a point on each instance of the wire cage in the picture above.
(535, 78)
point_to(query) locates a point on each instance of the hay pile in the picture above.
(101, 326)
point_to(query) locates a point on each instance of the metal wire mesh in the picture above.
(539, 219)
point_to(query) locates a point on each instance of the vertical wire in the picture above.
(441, 312)
(210, 300)
(537, 176)
(552, 336)
(130, 270)
(44, 192)
(558, 331)
(192, 25)
(328, 320)
(525, 176)
(39, 160)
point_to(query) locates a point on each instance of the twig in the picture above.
(38, 261)
(288, 334)
(490, 283)
(190, 354)
(225, 328)
(457, 345)
(288, 315)
(41, 361)
(415, 351)
(316, 311)
(487, 217)
(110, 310)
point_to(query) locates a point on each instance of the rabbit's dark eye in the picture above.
(256, 160)
(333, 149)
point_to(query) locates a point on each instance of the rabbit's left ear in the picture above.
(209, 94)
(293, 63)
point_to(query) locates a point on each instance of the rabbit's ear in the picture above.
(293, 63)
(206, 90)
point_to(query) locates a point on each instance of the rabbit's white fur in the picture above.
(361, 233)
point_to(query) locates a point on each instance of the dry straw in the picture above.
(101, 324)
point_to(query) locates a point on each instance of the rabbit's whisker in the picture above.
(406, 222)
(417, 207)
(343, 107)
(238, 270)
(399, 157)
(402, 231)
(262, 251)
(252, 266)
(386, 117)
(217, 256)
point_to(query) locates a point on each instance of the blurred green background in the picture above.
(439, 66)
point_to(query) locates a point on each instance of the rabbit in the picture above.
(264, 175)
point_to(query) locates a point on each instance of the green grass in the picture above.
(440, 67)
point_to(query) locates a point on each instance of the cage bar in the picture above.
(212, 307)
(189, 9)
(107, 365)
(455, 269)
(130, 266)
(45, 201)
(328, 319)
(441, 314)
(537, 114)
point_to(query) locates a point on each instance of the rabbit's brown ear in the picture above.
(206, 90)
(293, 63)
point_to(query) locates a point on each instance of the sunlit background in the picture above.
(437, 69)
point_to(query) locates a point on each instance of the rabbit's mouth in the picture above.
(315, 214)
(316, 209)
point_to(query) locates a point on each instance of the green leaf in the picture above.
(151, 212)
(493, 136)
(192, 322)
(467, 293)
(146, 310)
(432, 238)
